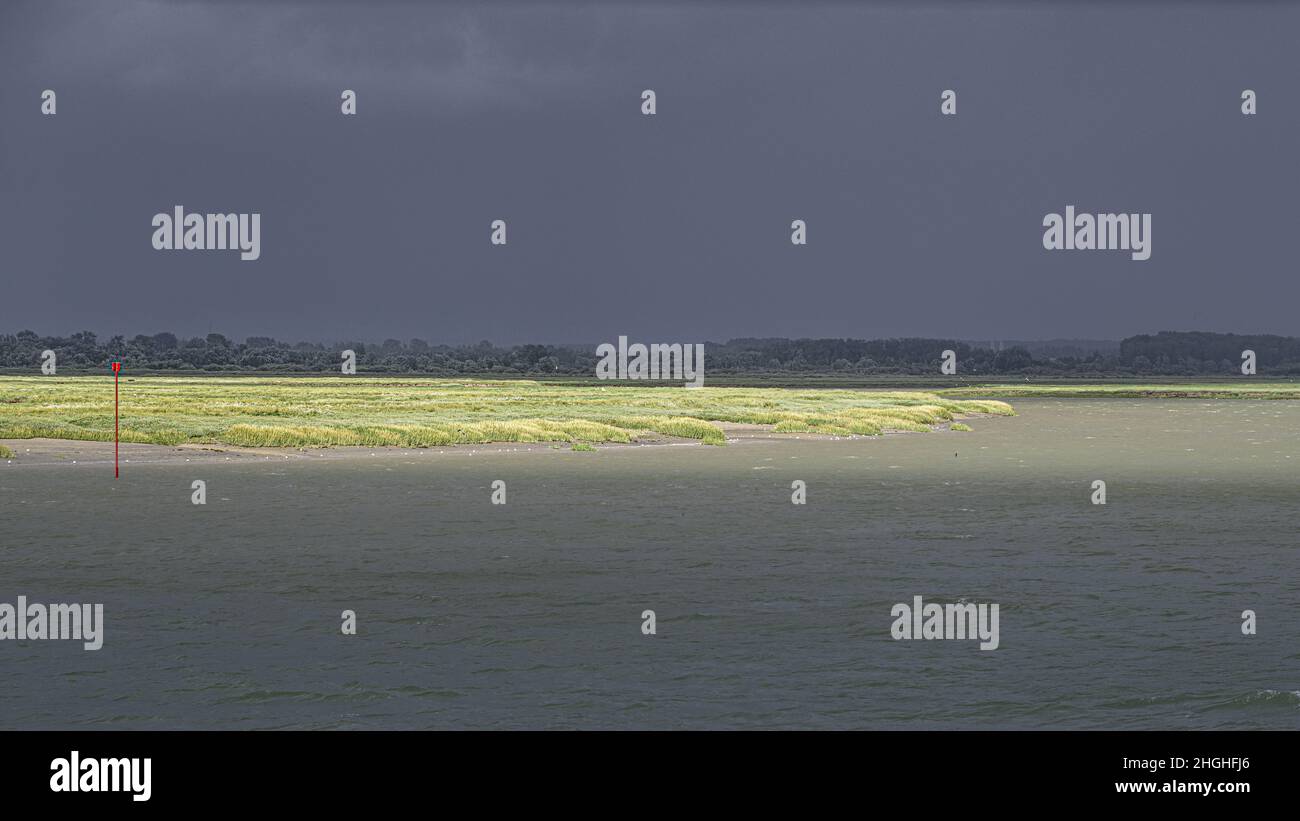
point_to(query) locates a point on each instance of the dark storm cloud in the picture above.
(671, 227)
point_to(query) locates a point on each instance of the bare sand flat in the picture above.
(33, 452)
(62, 451)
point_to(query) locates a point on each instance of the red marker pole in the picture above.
(117, 366)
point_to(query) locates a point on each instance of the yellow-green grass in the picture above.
(1221, 390)
(6, 453)
(416, 412)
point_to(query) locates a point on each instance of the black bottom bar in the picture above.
(334, 770)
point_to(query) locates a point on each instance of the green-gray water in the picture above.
(769, 615)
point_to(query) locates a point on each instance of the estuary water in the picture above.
(768, 614)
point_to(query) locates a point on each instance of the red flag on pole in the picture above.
(117, 367)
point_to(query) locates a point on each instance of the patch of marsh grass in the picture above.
(303, 412)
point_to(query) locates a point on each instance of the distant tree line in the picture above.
(1168, 353)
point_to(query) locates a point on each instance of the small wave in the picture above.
(265, 696)
(698, 616)
(1260, 698)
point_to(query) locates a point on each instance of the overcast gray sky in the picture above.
(671, 227)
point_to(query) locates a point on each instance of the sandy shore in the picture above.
(63, 451)
(66, 451)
